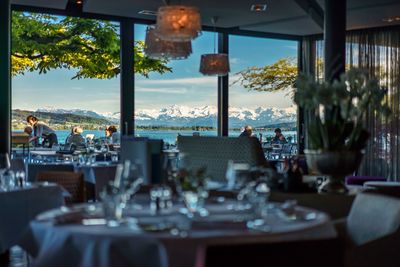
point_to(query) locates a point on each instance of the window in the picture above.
(182, 101)
(264, 111)
(64, 74)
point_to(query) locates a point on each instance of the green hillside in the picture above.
(58, 121)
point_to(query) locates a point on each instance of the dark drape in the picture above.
(378, 52)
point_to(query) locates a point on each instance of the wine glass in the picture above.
(4, 162)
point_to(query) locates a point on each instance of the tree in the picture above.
(278, 76)
(42, 42)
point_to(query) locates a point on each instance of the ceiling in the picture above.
(281, 16)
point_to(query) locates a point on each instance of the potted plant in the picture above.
(336, 113)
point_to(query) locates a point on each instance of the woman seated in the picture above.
(75, 139)
(112, 135)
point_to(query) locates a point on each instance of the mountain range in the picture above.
(184, 116)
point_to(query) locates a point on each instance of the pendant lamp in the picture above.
(178, 23)
(216, 63)
(157, 48)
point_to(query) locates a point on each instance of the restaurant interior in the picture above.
(330, 197)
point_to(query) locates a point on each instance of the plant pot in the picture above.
(334, 164)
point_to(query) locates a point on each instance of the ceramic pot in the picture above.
(334, 164)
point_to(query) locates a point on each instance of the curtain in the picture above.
(377, 51)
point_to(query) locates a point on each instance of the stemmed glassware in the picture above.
(117, 194)
(5, 165)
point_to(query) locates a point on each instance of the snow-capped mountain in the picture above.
(194, 116)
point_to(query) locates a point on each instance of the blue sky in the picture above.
(185, 86)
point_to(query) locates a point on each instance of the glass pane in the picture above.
(65, 75)
(262, 107)
(182, 101)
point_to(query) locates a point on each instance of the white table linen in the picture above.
(78, 245)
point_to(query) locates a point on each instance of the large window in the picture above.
(182, 101)
(263, 110)
(64, 73)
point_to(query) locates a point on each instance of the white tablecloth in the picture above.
(19, 207)
(78, 245)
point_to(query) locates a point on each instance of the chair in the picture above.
(370, 234)
(17, 165)
(215, 152)
(35, 168)
(70, 181)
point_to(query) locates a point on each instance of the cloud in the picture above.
(234, 60)
(161, 90)
(187, 81)
(293, 47)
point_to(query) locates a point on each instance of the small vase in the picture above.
(334, 164)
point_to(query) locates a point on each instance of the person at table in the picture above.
(279, 138)
(247, 131)
(113, 135)
(28, 130)
(75, 139)
(41, 130)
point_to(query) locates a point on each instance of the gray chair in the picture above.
(370, 234)
(215, 152)
(18, 164)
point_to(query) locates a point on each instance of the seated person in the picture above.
(28, 130)
(75, 139)
(112, 135)
(41, 130)
(279, 138)
(247, 131)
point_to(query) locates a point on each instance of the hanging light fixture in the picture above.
(216, 63)
(178, 23)
(157, 48)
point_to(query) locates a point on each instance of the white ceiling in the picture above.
(282, 16)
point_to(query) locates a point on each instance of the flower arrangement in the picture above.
(337, 109)
(192, 179)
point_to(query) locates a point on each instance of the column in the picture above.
(127, 77)
(335, 38)
(5, 76)
(223, 89)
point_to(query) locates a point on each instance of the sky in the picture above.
(184, 86)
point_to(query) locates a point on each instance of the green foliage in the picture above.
(43, 42)
(192, 179)
(339, 108)
(278, 76)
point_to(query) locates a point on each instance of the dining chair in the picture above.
(35, 168)
(17, 164)
(215, 152)
(73, 182)
(371, 233)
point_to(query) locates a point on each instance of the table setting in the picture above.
(129, 222)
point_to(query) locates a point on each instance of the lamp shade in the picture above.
(214, 64)
(178, 23)
(159, 49)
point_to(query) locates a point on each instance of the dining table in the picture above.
(19, 206)
(80, 236)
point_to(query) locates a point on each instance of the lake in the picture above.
(169, 136)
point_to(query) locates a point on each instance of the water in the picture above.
(169, 136)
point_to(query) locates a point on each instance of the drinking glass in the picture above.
(8, 180)
(4, 162)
